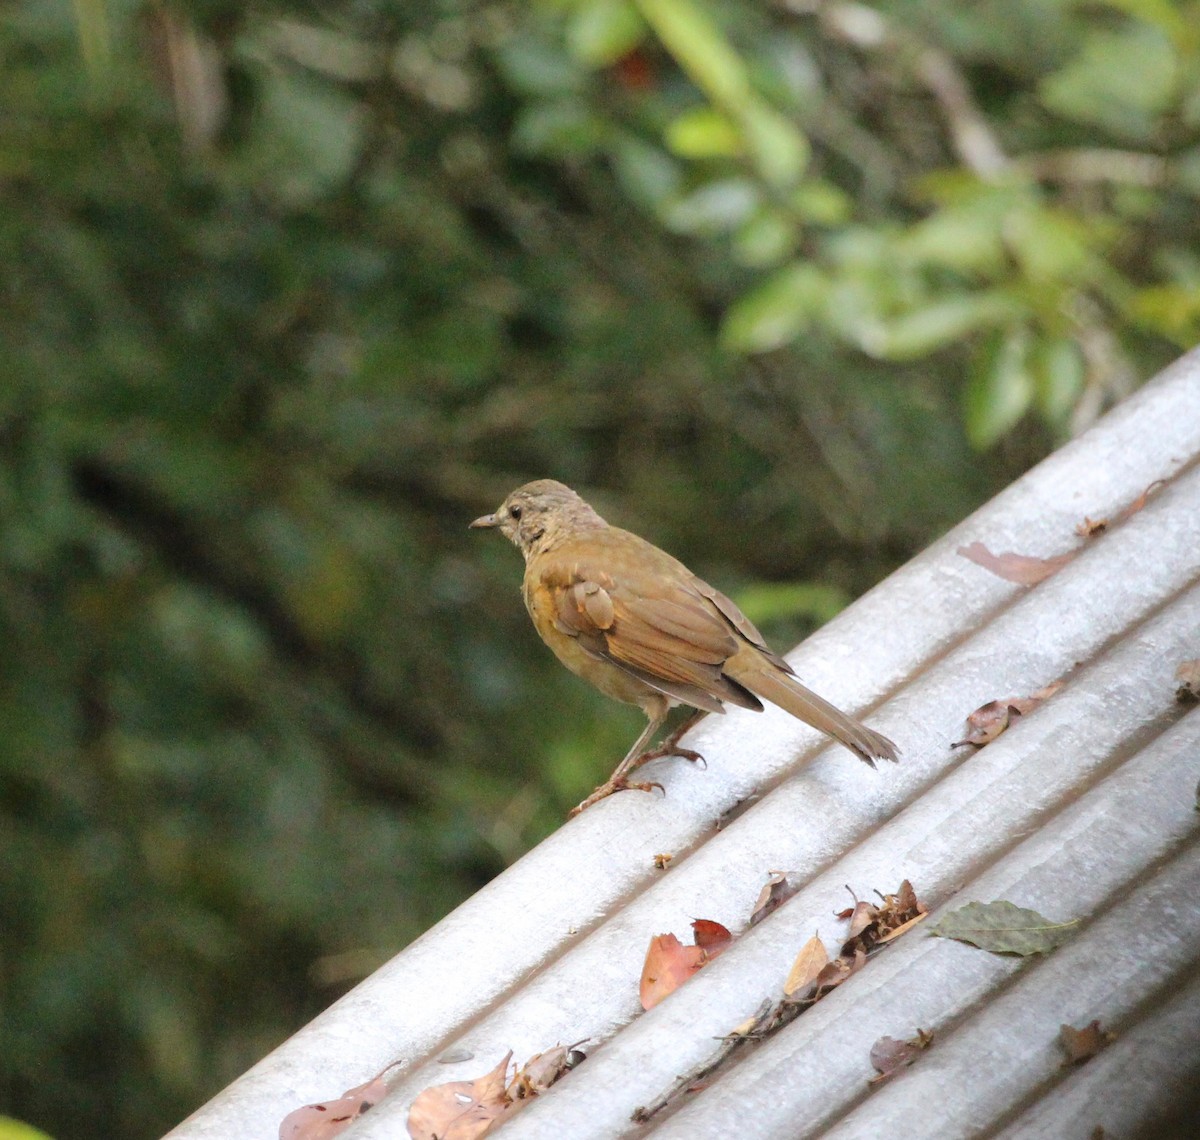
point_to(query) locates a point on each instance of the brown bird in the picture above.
(642, 628)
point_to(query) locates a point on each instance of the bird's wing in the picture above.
(655, 626)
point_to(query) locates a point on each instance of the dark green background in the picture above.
(291, 292)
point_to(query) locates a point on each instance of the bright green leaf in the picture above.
(821, 203)
(776, 311)
(930, 327)
(703, 133)
(1122, 81)
(780, 151)
(600, 32)
(765, 239)
(774, 601)
(701, 50)
(14, 1130)
(1058, 374)
(999, 390)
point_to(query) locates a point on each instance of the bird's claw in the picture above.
(607, 789)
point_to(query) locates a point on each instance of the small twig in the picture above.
(705, 1069)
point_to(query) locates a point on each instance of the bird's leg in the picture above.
(633, 758)
(639, 754)
(670, 746)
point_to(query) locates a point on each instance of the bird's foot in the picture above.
(608, 788)
(669, 749)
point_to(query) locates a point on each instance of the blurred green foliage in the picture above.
(293, 291)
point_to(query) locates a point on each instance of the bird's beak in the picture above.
(485, 521)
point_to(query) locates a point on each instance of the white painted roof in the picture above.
(1085, 809)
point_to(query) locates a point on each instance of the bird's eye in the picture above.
(515, 511)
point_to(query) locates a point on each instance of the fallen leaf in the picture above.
(1140, 501)
(990, 720)
(862, 917)
(661, 861)
(710, 936)
(889, 1055)
(1187, 673)
(1024, 569)
(777, 891)
(1003, 928)
(669, 963)
(542, 1070)
(809, 963)
(1081, 1044)
(326, 1119)
(903, 928)
(1090, 528)
(461, 1110)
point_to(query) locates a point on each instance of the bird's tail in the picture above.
(771, 683)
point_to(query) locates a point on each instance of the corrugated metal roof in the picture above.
(1084, 809)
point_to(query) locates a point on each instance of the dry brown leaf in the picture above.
(988, 721)
(669, 963)
(1082, 1044)
(542, 1070)
(903, 928)
(1024, 569)
(1090, 528)
(1187, 673)
(809, 963)
(777, 891)
(661, 861)
(861, 919)
(899, 912)
(889, 1055)
(325, 1120)
(461, 1110)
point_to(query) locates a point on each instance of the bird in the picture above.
(638, 625)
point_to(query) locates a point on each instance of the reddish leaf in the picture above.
(890, 1055)
(710, 936)
(460, 1110)
(1081, 1044)
(777, 891)
(990, 720)
(1090, 528)
(325, 1120)
(668, 965)
(1024, 569)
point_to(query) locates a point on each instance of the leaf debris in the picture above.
(990, 720)
(1003, 928)
(467, 1110)
(889, 1055)
(813, 975)
(1082, 1044)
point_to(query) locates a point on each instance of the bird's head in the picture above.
(539, 515)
